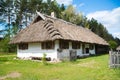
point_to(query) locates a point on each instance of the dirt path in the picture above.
(11, 75)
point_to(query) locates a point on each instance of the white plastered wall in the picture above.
(34, 50)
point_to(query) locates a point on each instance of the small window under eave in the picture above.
(37, 19)
(23, 46)
(48, 45)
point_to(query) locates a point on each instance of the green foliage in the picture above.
(92, 68)
(44, 61)
(112, 44)
(18, 13)
(52, 6)
(99, 29)
(6, 47)
(10, 31)
(70, 15)
(118, 41)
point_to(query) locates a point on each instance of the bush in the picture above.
(112, 44)
(6, 47)
(44, 61)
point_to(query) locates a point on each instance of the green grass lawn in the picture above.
(91, 68)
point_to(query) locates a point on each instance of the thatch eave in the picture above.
(118, 48)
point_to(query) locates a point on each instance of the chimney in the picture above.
(52, 14)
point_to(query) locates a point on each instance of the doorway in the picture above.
(87, 50)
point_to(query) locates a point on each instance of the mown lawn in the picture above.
(92, 68)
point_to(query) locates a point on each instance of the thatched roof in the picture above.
(52, 29)
(118, 48)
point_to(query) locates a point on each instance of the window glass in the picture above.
(76, 45)
(64, 44)
(48, 45)
(23, 46)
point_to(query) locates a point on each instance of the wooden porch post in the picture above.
(70, 45)
(56, 44)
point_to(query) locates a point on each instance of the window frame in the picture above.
(91, 46)
(23, 46)
(48, 45)
(64, 44)
(76, 45)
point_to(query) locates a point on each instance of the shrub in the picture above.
(44, 61)
(6, 47)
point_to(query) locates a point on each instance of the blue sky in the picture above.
(106, 12)
(88, 6)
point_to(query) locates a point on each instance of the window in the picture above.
(48, 45)
(64, 44)
(91, 46)
(76, 45)
(23, 46)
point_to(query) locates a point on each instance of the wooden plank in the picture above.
(114, 59)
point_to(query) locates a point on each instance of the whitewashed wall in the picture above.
(34, 50)
(64, 55)
(92, 51)
(80, 52)
(66, 52)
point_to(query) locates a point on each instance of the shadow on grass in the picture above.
(4, 59)
(90, 56)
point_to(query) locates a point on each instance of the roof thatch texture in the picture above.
(118, 48)
(52, 28)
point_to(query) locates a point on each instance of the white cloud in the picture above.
(110, 19)
(117, 35)
(65, 2)
(81, 4)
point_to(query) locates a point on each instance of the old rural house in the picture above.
(57, 38)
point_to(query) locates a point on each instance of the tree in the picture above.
(112, 44)
(70, 15)
(17, 14)
(6, 8)
(7, 17)
(20, 9)
(117, 41)
(99, 29)
(52, 6)
(62, 7)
